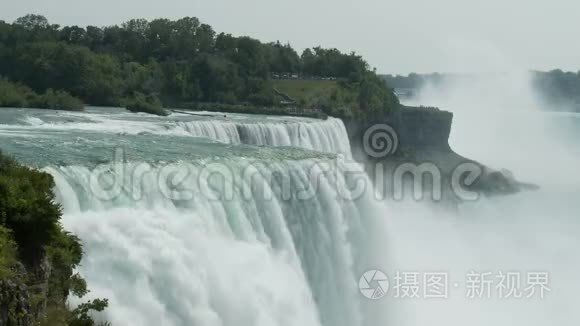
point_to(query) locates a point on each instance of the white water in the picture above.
(327, 136)
(234, 261)
(323, 135)
(260, 257)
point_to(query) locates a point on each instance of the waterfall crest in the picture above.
(327, 136)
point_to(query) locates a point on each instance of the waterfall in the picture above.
(276, 242)
(165, 251)
(244, 230)
(327, 136)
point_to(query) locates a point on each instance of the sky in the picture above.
(394, 36)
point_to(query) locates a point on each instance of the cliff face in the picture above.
(421, 136)
(423, 128)
(413, 130)
(14, 304)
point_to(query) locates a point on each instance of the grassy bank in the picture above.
(304, 90)
(252, 109)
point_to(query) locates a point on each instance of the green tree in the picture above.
(179, 61)
(32, 22)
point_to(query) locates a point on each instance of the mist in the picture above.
(499, 121)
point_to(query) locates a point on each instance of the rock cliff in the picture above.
(417, 145)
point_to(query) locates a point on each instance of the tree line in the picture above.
(179, 62)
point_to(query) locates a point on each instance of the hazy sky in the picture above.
(394, 36)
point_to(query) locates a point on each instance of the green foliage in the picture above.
(58, 100)
(27, 208)
(366, 97)
(140, 102)
(306, 91)
(76, 69)
(149, 78)
(374, 98)
(282, 58)
(332, 63)
(65, 253)
(30, 231)
(180, 61)
(264, 97)
(19, 96)
(78, 286)
(13, 95)
(8, 254)
(32, 22)
(81, 314)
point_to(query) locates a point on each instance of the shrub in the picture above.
(140, 102)
(13, 95)
(19, 96)
(263, 98)
(8, 253)
(30, 231)
(59, 100)
(27, 207)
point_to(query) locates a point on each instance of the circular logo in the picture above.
(380, 140)
(373, 284)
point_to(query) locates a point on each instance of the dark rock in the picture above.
(20, 304)
(14, 304)
(422, 137)
(503, 182)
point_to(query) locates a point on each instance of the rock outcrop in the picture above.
(14, 304)
(419, 142)
(22, 302)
